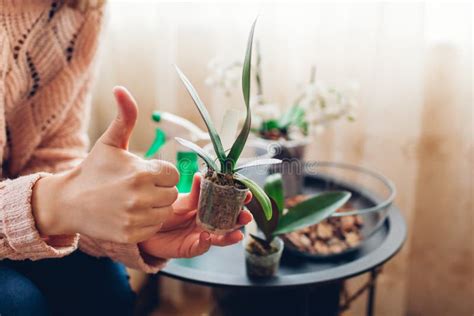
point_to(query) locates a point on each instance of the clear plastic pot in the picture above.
(219, 206)
(259, 266)
(291, 152)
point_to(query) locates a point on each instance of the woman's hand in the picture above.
(180, 237)
(112, 195)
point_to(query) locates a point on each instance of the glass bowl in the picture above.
(372, 196)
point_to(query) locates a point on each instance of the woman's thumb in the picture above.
(189, 202)
(119, 131)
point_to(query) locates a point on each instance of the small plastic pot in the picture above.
(219, 206)
(291, 153)
(264, 266)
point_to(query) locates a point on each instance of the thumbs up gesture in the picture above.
(112, 195)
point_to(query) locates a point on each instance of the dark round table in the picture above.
(225, 267)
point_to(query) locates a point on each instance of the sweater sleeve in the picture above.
(62, 147)
(19, 238)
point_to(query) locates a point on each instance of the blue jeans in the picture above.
(77, 284)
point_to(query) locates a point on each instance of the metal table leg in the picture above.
(371, 292)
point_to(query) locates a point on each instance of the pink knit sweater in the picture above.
(46, 63)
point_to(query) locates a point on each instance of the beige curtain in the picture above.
(413, 65)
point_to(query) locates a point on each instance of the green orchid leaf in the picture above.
(258, 193)
(216, 140)
(199, 151)
(311, 211)
(259, 162)
(266, 226)
(239, 143)
(273, 187)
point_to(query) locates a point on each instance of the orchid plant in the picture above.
(226, 170)
(317, 105)
(307, 213)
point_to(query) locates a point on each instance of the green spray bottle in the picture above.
(171, 126)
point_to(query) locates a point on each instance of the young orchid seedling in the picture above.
(307, 213)
(223, 188)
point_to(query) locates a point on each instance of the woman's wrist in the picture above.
(46, 207)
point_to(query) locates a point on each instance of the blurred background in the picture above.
(412, 66)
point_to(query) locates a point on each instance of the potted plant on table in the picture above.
(286, 134)
(223, 188)
(262, 254)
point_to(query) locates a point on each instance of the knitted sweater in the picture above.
(47, 50)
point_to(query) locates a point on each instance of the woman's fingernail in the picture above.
(207, 236)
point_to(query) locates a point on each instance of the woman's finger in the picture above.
(188, 202)
(248, 198)
(144, 233)
(176, 221)
(227, 239)
(162, 173)
(201, 245)
(245, 217)
(162, 196)
(154, 216)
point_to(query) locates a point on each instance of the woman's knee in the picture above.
(19, 296)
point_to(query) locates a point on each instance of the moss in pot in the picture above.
(223, 188)
(263, 254)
